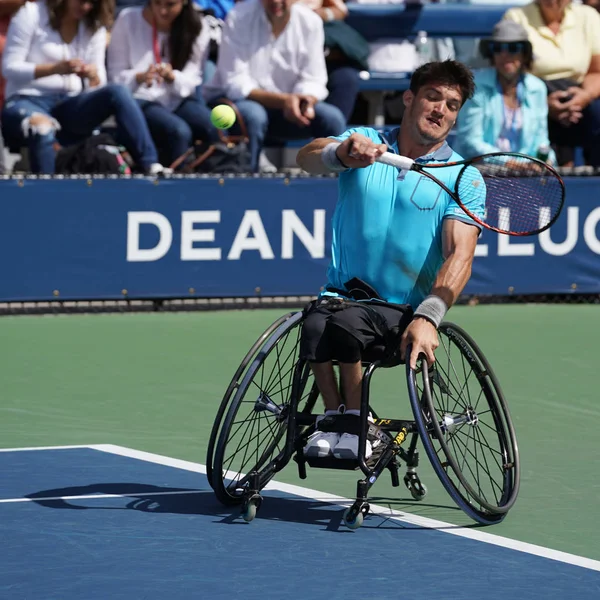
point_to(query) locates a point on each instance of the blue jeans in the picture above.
(343, 84)
(174, 132)
(270, 124)
(78, 116)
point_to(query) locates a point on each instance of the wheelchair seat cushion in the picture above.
(333, 324)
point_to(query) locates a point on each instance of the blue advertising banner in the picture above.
(238, 237)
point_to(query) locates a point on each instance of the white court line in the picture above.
(94, 496)
(79, 447)
(381, 511)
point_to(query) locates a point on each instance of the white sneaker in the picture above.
(158, 169)
(265, 165)
(321, 443)
(347, 447)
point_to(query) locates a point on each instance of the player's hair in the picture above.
(447, 72)
(185, 29)
(101, 15)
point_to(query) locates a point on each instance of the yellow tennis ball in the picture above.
(222, 116)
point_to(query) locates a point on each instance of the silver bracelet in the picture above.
(433, 308)
(330, 158)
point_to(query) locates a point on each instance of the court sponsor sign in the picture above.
(109, 239)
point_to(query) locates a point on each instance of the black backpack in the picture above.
(98, 154)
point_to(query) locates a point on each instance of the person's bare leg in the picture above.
(351, 376)
(327, 384)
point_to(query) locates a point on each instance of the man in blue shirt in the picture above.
(398, 238)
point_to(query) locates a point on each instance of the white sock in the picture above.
(353, 412)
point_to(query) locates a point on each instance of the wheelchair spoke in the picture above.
(255, 435)
(228, 464)
(467, 427)
(478, 462)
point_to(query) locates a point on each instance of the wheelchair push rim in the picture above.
(470, 441)
(232, 387)
(255, 425)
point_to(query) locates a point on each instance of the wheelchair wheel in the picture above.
(233, 386)
(254, 427)
(465, 426)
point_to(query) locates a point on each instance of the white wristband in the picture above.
(330, 158)
(433, 308)
(329, 16)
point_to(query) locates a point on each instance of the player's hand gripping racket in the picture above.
(523, 195)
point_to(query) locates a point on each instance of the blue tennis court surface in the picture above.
(109, 522)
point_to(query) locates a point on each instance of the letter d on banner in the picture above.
(134, 220)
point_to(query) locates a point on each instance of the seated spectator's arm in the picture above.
(119, 68)
(95, 70)
(591, 82)
(234, 62)
(333, 10)
(312, 81)
(18, 41)
(188, 79)
(469, 129)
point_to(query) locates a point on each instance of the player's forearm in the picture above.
(310, 157)
(453, 277)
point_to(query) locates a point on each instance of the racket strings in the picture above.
(521, 195)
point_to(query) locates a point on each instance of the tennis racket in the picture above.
(508, 193)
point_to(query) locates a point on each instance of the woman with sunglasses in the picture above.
(508, 112)
(55, 83)
(159, 51)
(566, 45)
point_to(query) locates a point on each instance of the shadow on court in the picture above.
(189, 501)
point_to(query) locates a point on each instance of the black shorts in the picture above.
(347, 331)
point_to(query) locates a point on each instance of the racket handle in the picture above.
(395, 160)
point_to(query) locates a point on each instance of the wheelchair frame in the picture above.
(438, 435)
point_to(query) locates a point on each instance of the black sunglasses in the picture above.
(510, 47)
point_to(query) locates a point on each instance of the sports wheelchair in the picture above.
(460, 416)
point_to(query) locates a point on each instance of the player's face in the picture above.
(432, 112)
(276, 9)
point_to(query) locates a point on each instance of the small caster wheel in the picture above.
(351, 520)
(417, 489)
(249, 513)
(251, 507)
(355, 516)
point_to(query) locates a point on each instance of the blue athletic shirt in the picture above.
(387, 224)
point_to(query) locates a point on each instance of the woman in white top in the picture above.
(55, 83)
(158, 51)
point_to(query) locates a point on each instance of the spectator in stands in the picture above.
(55, 75)
(271, 64)
(509, 111)
(343, 79)
(158, 52)
(566, 49)
(7, 9)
